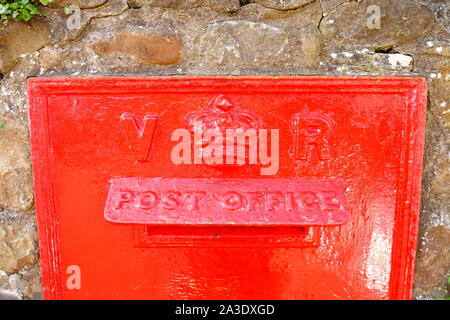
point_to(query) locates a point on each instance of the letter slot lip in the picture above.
(227, 201)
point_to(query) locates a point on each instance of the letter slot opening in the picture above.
(226, 236)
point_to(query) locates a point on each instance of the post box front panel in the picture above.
(134, 195)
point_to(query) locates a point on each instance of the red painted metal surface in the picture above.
(333, 217)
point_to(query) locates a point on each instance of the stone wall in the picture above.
(228, 37)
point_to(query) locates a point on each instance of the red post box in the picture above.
(227, 188)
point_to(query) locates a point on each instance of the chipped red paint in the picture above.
(365, 135)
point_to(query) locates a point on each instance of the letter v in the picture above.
(140, 137)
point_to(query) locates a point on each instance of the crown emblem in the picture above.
(222, 113)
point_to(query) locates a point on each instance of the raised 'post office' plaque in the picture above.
(229, 188)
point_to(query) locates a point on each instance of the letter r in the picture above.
(311, 131)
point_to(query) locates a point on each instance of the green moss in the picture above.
(20, 9)
(448, 283)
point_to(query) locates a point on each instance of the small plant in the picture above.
(20, 9)
(448, 285)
